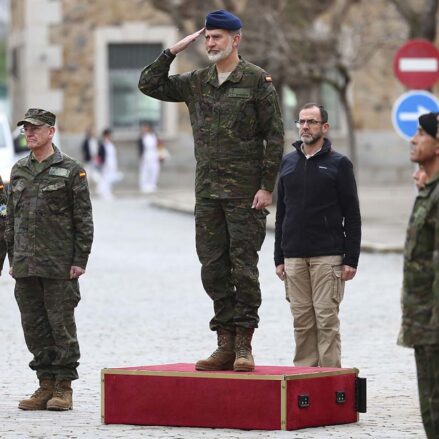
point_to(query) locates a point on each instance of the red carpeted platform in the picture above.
(270, 398)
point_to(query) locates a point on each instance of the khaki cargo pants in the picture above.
(315, 290)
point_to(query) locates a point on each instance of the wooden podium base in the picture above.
(270, 398)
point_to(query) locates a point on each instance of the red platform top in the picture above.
(274, 372)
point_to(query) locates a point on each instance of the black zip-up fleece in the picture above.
(318, 212)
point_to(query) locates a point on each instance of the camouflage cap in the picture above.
(37, 116)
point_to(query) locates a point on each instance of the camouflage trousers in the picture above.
(427, 365)
(229, 234)
(47, 316)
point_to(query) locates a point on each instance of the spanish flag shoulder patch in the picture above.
(82, 174)
(268, 78)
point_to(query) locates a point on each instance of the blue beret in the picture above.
(222, 20)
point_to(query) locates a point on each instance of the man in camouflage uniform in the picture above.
(420, 293)
(49, 234)
(238, 135)
(3, 210)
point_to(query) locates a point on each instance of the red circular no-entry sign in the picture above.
(416, 64)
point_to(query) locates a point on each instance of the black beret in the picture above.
(222, 19)
(429, 123)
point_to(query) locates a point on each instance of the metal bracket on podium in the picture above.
(360, 395)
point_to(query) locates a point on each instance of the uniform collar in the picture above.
(235, 76)
(429, 186)
(56, 157)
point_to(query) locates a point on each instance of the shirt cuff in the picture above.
(169, 54)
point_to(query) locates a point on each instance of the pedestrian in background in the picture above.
(3, 211)
(238, 133)
(317, 237)
(49, 234)
(149, 168)
(109, 171)
(420, 291)
(89, 149)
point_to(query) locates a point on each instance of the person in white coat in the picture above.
(149, 159)
(108, 165)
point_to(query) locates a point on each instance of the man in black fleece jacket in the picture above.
(317, 241)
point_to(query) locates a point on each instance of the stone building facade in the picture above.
(82, 59)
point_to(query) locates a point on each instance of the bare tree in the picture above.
(421, 17)
(302, 43)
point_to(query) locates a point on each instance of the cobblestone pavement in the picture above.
(142, 303)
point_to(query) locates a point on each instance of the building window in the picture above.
(329, 99)
(128, 106)
(331, 102)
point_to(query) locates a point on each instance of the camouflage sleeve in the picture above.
(3, 251)
(82, 218)
(271, 127)
(435, 219)
(155, 81)
(9, 230)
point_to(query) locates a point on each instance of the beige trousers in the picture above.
(315, 290)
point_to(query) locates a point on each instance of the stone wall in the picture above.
(374, 28)
(76, 35)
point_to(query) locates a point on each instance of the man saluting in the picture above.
(238, 134)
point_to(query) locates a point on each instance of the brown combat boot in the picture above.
(223, 357)
(243, 348)
(38, 401)
(62, 396)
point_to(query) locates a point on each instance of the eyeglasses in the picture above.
(311, 122)
(33, 128)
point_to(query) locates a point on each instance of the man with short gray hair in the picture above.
(238, 133)
(49, 234)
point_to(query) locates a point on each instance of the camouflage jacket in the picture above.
(3, 210)
(420, 292)
(49, 226)
(237, 126)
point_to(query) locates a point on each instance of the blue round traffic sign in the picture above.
(407, 109)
